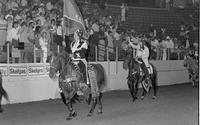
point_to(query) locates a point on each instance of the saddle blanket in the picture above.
(150, 69)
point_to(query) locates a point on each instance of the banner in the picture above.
(72, 16)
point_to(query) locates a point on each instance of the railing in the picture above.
(9, 54)
(118, 54)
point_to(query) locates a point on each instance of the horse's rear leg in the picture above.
(94, 103)
(154, 84)
(1, 110)
(100, 104)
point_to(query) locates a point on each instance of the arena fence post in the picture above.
(108, 61)
(58, 48)
(96, 54)
(8, 53)
(34, 54)
(116, 59)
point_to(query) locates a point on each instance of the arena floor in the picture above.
(175, 105)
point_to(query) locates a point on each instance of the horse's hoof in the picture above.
(1, 110)
(74, 114)
(68, 118)
(134, 99)
(99, 111)
(142, 97)
(89, 115)
(71, 115)
(154, 97)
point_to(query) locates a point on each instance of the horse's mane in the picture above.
(66, 58)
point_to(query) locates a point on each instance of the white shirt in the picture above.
(59, 30)
(43, 43)
(14, 32)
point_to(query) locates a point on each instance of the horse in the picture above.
(136, 76)
(70, 82)
(3, 93)
(193, 69)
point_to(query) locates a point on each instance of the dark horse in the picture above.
(3, 93)
(193, 69)
(136, 76)
(70, 82)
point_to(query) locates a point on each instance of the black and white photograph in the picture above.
(99, 62)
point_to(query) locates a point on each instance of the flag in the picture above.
(72, 17)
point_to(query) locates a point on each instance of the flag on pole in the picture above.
(72, 16)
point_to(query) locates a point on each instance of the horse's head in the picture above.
(127, 58)
(54, 65)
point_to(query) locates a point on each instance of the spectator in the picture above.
(24, 3)
(123, 12)
(15, 34)
(95, 27)
(3, 24)
(110, 45)
(44, 44)
(59, 33)
(171, 4)
(49, 6)
(167, 4)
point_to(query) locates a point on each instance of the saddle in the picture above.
(150, 69)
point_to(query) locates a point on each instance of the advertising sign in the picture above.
(36, 70)
(4, 70)
(17, 70)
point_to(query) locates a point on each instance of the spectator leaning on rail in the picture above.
(79, 47)
(142, 54)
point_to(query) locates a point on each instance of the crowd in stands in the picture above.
(31, 22)
(39, 23)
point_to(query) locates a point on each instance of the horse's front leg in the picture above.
(131, 89)
(94, 103)
(100, 104)
(72, 113)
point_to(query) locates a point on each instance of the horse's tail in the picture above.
(155, 74)
(2, 91)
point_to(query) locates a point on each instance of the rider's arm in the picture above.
(134, 46)
(145, 53)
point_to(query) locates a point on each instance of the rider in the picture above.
(79, 47)
(142, 53)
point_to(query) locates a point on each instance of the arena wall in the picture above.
(30, 82)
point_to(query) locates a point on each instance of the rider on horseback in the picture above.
(79, 47)
(142, 53)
